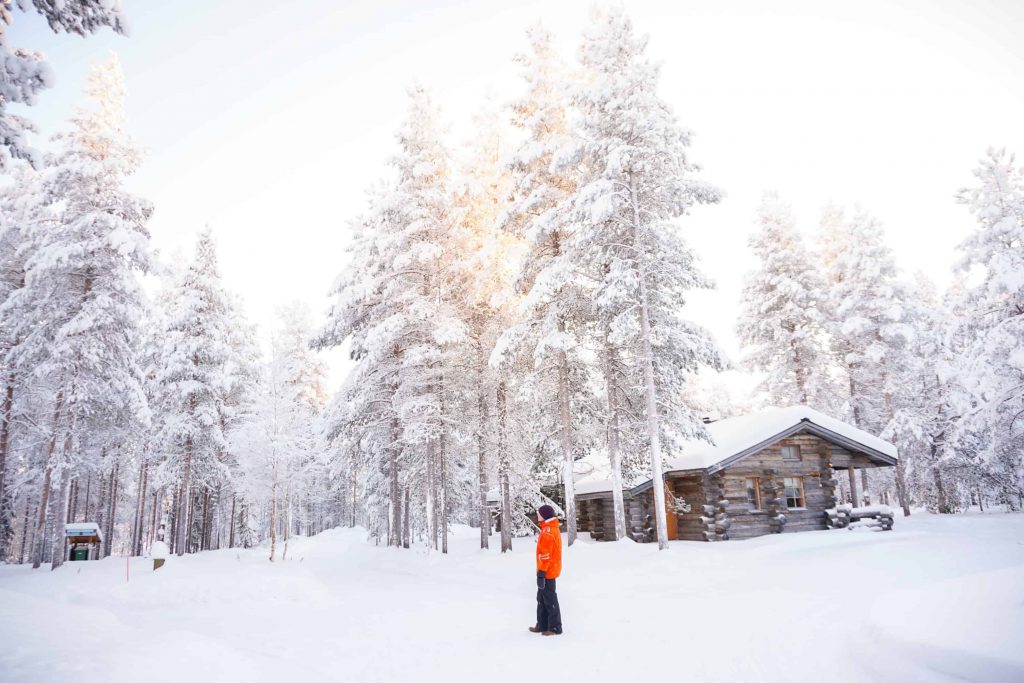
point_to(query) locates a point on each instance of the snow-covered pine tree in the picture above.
(275, 443)
(920, 401)
(995, 355)
(360, 425)
(24, 73)
(193, 377)
(305, 373)
(20, 204)
(635, 180)
(865, 313)
(487, 268)
(425, 237)
(551, 303)
(81, 329)
(780, 320)
(398, 303)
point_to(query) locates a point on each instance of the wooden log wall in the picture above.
(716, 509)
(770, 469)
(640, 517)
(597, 515)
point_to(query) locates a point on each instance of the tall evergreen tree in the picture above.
(995, 355)
(867, 315)
(547, 332)
(780, 320)
(635, 181)
(487, 265)
(82, 329)
(193, 377)
(275, 442)
(20, 205)
(399, 305)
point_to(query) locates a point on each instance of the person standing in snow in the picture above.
(549, 566)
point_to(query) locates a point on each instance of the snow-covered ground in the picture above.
(936, 599)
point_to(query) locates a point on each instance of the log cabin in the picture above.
(768, 472)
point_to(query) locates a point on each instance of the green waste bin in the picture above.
(79, 554)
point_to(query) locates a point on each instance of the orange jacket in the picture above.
(549, 549)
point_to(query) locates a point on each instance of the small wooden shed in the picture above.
(82, 541)
(764, 473)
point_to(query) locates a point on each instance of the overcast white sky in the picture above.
(267, 119)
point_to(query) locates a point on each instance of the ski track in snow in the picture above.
(938, 599)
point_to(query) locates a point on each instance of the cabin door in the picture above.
(671, 520)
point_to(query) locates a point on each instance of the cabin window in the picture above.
(754, 493)
(794, 492)
(790, 452)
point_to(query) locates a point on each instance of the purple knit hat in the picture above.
(546, 512)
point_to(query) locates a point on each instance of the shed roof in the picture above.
(737, 437)
(83, 529)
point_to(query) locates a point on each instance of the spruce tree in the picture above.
(636, 179)
(780, 321)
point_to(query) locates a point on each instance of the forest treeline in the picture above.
(514, 310)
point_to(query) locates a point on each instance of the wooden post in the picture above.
(853, 485)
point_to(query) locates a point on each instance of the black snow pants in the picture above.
(549, 616)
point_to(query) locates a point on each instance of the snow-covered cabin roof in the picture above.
(83, 529)
(737, 437)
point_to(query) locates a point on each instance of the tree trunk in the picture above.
(191, 536)
(88, 492)
(181, 521)
(650, 391)
(901, 487)
(853, 486)
(394, 537)
(430, 499)
(801, 372)
(139, 525)
(100, 515)
(354, 486)
(865, 496)
(207, 523)
(287, 520)
(69, 510)
(614, 452)
(941, 503)
(503, 471)
(231, 532)
(144, 495)
(565, 423)
(152, 520)
(22, 555)
(406, 526)
(44, 494)
(481, 447)
(442, 466)
(108, 541)
(273, 512)
(59, 544)
(854, 403)
(172, 540)
(6, 507)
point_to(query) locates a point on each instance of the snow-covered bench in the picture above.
(873, 516)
